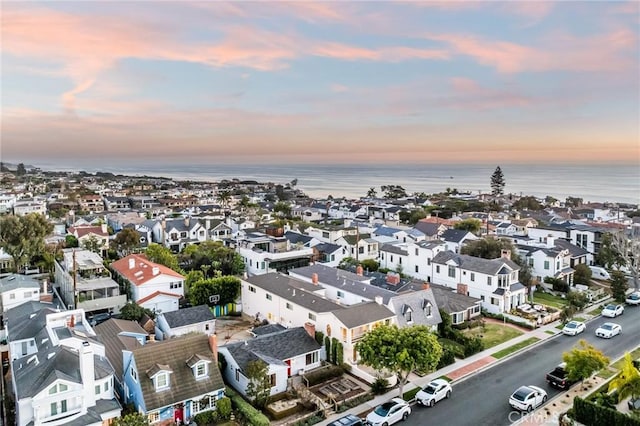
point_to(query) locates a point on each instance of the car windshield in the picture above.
(430, 389)
(611, 307)
(607, 326)
(634, 296)
(521, 394)
(572, 325)
(383, 410)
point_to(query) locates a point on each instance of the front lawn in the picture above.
(493, 334)
(549, 300)
(514, 348)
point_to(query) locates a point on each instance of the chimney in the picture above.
(506, 254)
(311, 329)
(378, 300)
(163, 224)
(155, 270)
(314, 278)
(213, 345)
(463, 289)
(426, 286)
(359, 270)
(104, 228)
(393, 278)
(44, 287)
(187, 221)
(132, 263)
(87, 373)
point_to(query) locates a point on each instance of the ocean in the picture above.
(592, 183)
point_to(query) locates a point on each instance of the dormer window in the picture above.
(426, 307)
(408, 313)
(162, 381)
(199, 364)
(159, 373)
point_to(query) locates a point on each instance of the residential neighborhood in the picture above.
(195, 303)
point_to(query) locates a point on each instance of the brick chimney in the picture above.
(426, 286)
(213, 345)
(506, 254)
(359, 270)
(314, 278)
(311, 329)
(393, 278)
(463, 289)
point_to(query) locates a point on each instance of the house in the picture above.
(91, 203)
(360, 246)
(460, 307)
(26, 206)
(176, 234)
(329, 254)
(196, 319)
(17, 289)
(153, 286)
(454, 239)
(263, 253)
(547, 261)
(60, 373)
(493, 281)
(506, 228)
(416, 308)
(431, 230)
(173, 380)
(116, 203)
(91, 236)
(403, 235)
(287, 352)
(413, 259)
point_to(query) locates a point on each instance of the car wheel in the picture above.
(385, 424)
(544, 399)
(448, 394)
(432, 403)
(405, 416)
(529, 408)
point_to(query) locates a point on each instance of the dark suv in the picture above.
(99, 318)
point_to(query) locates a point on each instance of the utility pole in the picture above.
(75, 294)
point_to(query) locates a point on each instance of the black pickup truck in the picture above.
(558, 378)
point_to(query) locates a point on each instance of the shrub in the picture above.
(319, 337)
(339, 354)
(327, 347)
(206, 418)
(591, 414)
(248, 413)
(473, 345)
(379, 386)
(558, 284)
(334, 350)
(223, 409)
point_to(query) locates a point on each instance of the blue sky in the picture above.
(321, 82)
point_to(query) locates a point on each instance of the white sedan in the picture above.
(389, 413)
(608, 330)
(528, 398)
(573, 327)
(435, 391)
(612, 311)
(633, 298)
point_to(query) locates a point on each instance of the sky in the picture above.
(320, 82)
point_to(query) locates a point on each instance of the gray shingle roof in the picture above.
(175, 353)
(451, 301)
(417, 302)
(109, 333)
(476, 264)
(294, 290)
(267, 329)
(274, 347)
(188, 316)
(394, 248)
(454, 235)
(327, 274)
(362, 314)
(15, 281)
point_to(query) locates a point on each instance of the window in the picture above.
(252, 289)
(408, 316)
(312, 358)
(416, 268)
(54, 408)
(416, 252)
(272, 379)
(361, 250)
(472, 276)
(97, 389)
(268, 296)
(428, 261)
(12, 296)
(63, 406)
(206, 327)
(237, 374)
(162, 381)
(134, 375)
(488, 280)
(289, 306)
(154, 417)
(27, 294)
(546, 264)
(312, 317)
(201, 370)
(482, 297)
(340, 294)
(52, 390)
(427, 309)
(503, 280)
(391, 258)
(452, 271)
(399, 261)
(106, 386)
(437, 269)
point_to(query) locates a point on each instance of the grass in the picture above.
(448, 379)
(494, 334)
(549, 300)
(606, 373)
(409, 395)
(614, 368)
(511, 349)
(549, 332)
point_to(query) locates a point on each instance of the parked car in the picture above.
(99, 318)
(348, 420)
(559, 377)
(573, 327)
(599, 273)
(435, 391)
(612, 310)
(608, 330)
(528, 398)
(633, 298)
(389, 413)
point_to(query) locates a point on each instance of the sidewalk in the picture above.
(462, 369)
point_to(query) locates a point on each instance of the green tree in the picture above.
(627, 249)
(371, 193)
(582, 274)
(415, 216)
(527, 203)
(214, 256)
(370, 265)
(132, 419)
(584, 360)
(162, 255)
(227, 287)
(471, 225)
(259, 386)
(497, 182)
(21, 170)
(70, 241)
(126, 241)
(487, 248)
(134, 312)
(577, 299)
(92, 244)
(573, 202)
(282, 209)
(393, 191)
(224, 197)
(608, 256)
(400, 350)
(619, 286)
(191, 278)
(627, 382)
(22, 237)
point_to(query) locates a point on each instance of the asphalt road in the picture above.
(483, 398)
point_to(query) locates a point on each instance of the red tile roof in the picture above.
(140, 269)
(81, 231)
(157, 293)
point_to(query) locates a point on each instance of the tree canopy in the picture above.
(134, 312)
(22, 237)
(259, 386)
(582, 274)
(132, 419)
(487, 248)
(227, 287)
(126, 241)
(160, 254)
(627, 383)
(584, 360)
(393, 191)
(400, 350)
(619, 286)
(213, 258)
(471, 225)
(497, 182)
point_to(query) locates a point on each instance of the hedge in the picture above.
(591, 414)
(322, 374)
(509, 320)
(248, 413)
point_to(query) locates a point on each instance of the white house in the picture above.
(196, 319)
(17, 289)
(413, 259)
(286, 351)
(176, 234)
(264, 253)
(455, 238)
(547, 260)
(493, 281)
(153, 286)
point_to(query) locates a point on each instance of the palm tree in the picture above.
(224, 197)
(627, 383)
(371, 193)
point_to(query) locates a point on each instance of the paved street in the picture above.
(482, 398)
